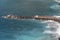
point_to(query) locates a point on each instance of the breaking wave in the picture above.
(52, 28)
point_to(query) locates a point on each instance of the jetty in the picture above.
(33, 17)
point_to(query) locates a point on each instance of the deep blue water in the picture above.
(24, 29)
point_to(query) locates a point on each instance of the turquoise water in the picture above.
(21, 30)
(24, 29)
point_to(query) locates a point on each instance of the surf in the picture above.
(53, 29)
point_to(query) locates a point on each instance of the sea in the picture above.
(13, 29)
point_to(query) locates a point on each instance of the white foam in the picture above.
(52, 24)
(55, 7)
(56, 16)
(4, 17)
(47, 21)
(57, 1)
(48, 32)
(36, 16)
